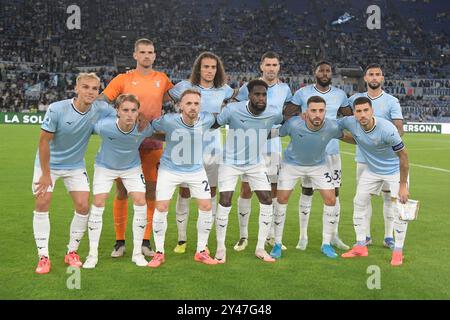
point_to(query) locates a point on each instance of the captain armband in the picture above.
(398, 147)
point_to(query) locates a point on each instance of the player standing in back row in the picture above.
(278, 94)
(208, 77)
(151, 87)
(305, 158)
(182, 163)
(337, 103)
(387, 107)
(250, 123)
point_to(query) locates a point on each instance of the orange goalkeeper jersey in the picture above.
(149, 89)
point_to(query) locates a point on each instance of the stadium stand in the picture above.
(40, 57)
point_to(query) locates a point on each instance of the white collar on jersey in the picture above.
(270, 86)
(75, 108)
(374, 126)
(322, 92)
(367, 94)
(323, 124)
(124, 132)
(251, 113)
(204, 88)
(187, 125)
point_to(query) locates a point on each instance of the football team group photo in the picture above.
(209, 150)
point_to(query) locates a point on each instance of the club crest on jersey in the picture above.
(134, 83)
(158, 83)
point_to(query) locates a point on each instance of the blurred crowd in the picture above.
(40, 57)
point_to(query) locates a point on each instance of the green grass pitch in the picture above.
(297, 275)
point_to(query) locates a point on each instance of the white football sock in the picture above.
(41, 230)
(182, 215)
(279, 220)
(213, 208)
(388, 213)
(265, 220)
(244, 209)
(221, 225)
(400, 228)
(272, 225)
(368, 218)
(95, 223)
(329, 222)
(77, 229)
(360, 204)
(159, 229)
(204, 225)
(337, 216)
(139, 225)
(304, 214)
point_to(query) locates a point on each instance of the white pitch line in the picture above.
(428, 167)
(411, 164)
(425, 149)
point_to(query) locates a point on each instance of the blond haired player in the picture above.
(65, 134)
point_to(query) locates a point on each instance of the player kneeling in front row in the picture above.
(305, 158)
(118, 157)
(387, 163)
(182, 163)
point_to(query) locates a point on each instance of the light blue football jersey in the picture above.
(212, 98)
(278, 95)
(307, 147)
(378, 146)
(119, 150)
(335, 98)
(72, 130)
(247, 135)
(384, 106)
(184, 144)
(211, 101)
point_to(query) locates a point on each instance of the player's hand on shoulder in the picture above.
(303, 116)
(290, 110)
(142, 122)
(160, 136)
